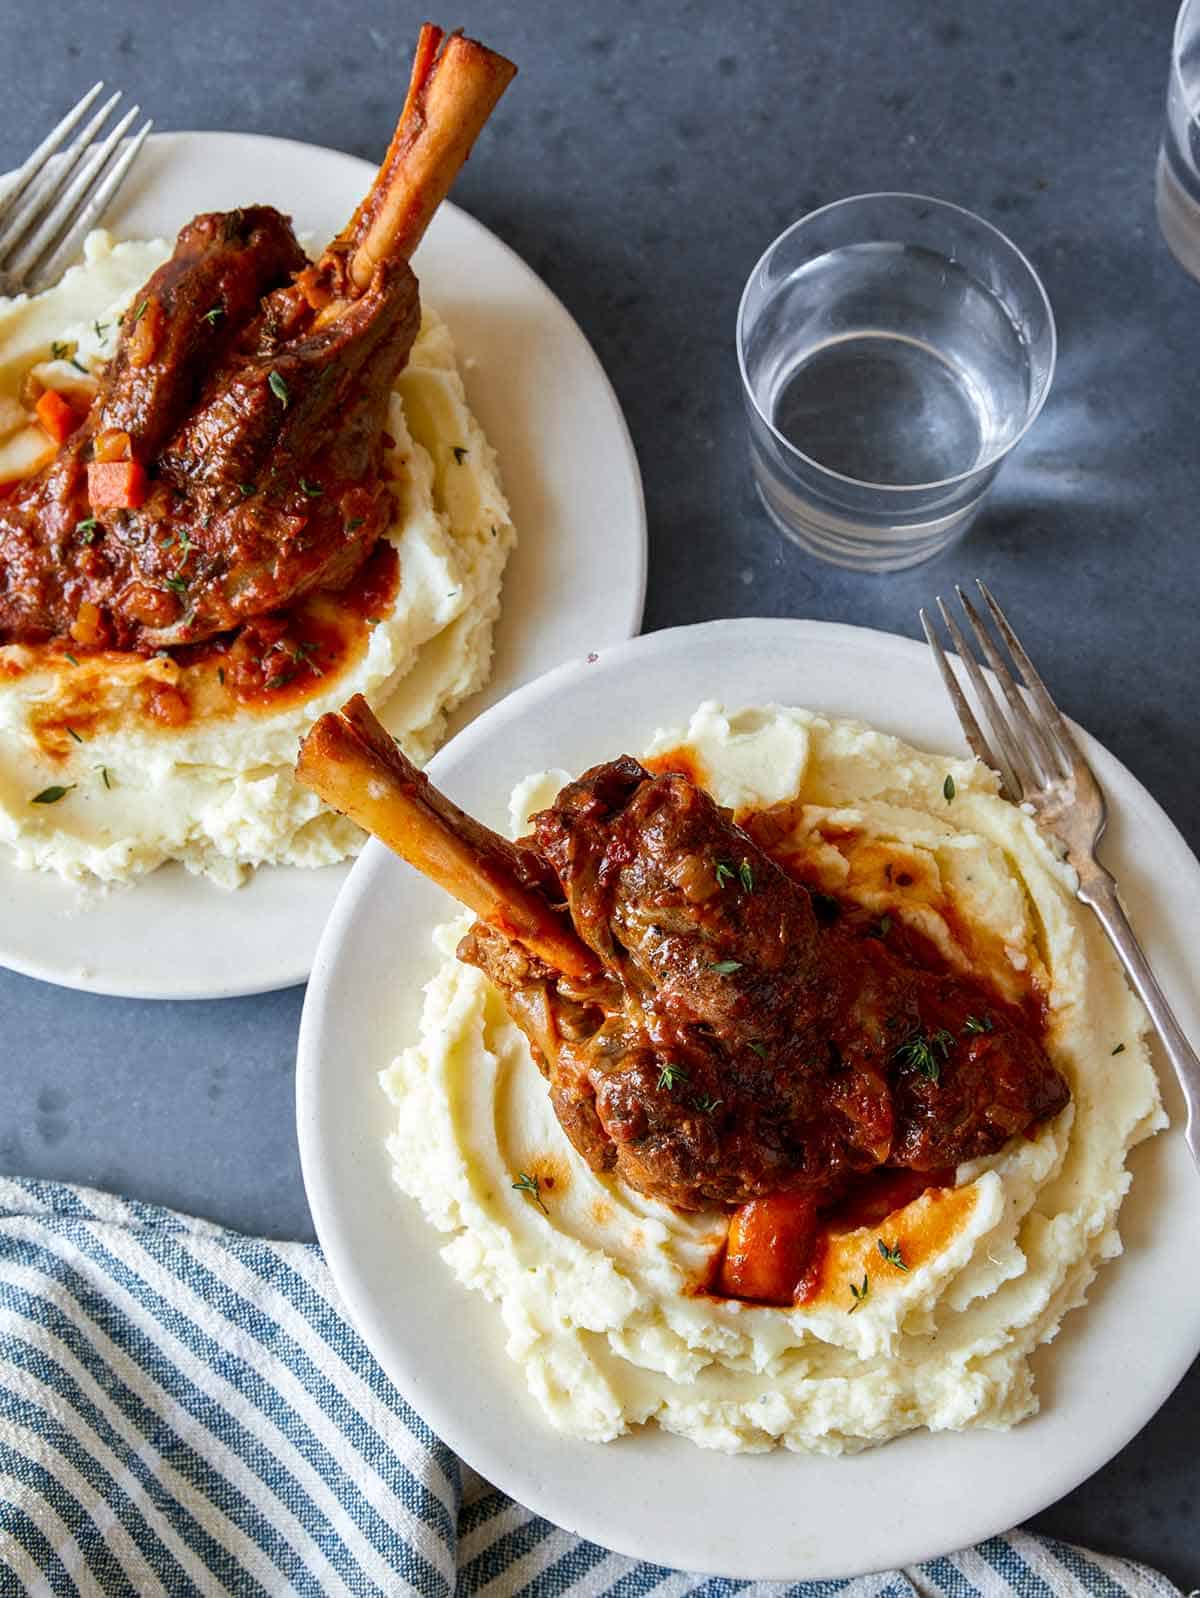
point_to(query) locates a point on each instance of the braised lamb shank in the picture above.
(708, 1036)
(233, 458)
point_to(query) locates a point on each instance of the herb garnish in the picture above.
(279, 679)
(87, 528)
(221, 675)
(725, 968)
(746, 876)
(59, 351)
(705, 1103)
(140, 312)
(979, 1023)
(948, 788)
(79, 367)
(460, 453)
(73, 733)
(881, 928)
(103, 770)
(531, 1185)
(71, 658)
(924, 1054)
(723, 872)
(860, 1294)
(177, 584)
(278, 387)
(247, 489)
(213, 315)
(892, 1255)
(99, 328)
(354, 522)
(312, 490)
(670, 1074)
(759, 1048)
(51, 796)
(1120, 1049)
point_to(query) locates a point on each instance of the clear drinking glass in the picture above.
(893, 349)
(1177, 190)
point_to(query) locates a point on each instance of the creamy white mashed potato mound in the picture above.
(218, 793)
(597, 1290)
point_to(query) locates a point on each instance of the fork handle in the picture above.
(1099, 890)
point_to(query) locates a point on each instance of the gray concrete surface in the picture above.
(643, 160)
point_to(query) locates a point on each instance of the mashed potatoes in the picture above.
(213, 787)
(597, 1286)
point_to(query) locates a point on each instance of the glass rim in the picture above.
(1036, 402)
(1177, 50)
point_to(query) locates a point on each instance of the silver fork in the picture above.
(1043, 767)
(45, 215)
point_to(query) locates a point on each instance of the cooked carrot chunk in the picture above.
(57, 415)
(117, 485)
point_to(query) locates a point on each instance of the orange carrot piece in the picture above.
(57, 415)
(117, 485)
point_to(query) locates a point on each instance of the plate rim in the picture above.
(507, 1473)
(291, 974)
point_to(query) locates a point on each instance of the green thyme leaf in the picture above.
(723, 872)
(221, 675)
(177, 584)
(1120, 1049)
(247, 489)
(670, 1075)
(73, 733)
(71, 658)
(354, 523)
(881, 928)
(312, 490)
(87, 529)
(60, 351)
(278, 387)
(705, 1103)
(979, 1023)
(760, 1049)
(725, 968)
(526, 1183)
(103, 770)
(140, 312)
(892, 1255)
(460, 453)
(99, 328)
(214, 315)
(948, 788)
(860, 1294)
(746, 876)
(51, 796)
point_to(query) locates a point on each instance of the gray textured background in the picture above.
(641, 162)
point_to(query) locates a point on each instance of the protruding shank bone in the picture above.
(355, 766)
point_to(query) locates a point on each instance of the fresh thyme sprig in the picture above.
(860, 1294)
(670, 1075)
(892, 1254)
(529, 1184)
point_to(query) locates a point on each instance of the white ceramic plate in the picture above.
(777, 1516)
(575, 583)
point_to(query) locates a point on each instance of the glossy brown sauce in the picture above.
(269, 664)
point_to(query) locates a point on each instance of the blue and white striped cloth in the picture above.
(185, 1410)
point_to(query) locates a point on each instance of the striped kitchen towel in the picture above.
(186, 1410)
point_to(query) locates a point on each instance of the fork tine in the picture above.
(1014, 761)
(102, 197)
(1035, 746)
(972, 731)
(1055, 725)
(71, 199)
(37, 160)
(45, 196)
